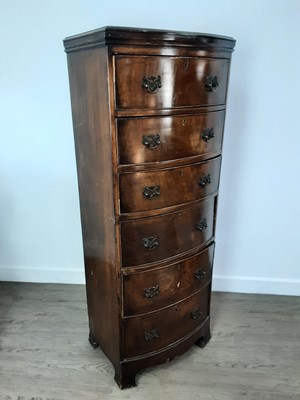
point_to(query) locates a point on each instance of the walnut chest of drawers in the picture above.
(148, 112)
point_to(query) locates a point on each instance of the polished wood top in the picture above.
(116, 35)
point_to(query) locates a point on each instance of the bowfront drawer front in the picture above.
(159, 82)
(156, 331)
(148, 140)
(156, 238)
(151, 290)
(150, 190)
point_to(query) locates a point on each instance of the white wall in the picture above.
(258, 230)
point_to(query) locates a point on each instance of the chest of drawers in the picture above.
(148, 112)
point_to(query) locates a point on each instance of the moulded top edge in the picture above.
(111, 35)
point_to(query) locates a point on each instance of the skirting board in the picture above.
(42, 275)
(261, 285)
(237, 284)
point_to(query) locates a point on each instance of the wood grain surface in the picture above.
(177, 137)
(177, 185)
(91, 123)
(135, 215)
(254, 352)
(180, 234)
(182, 82)
(173, 283)
(170, 325)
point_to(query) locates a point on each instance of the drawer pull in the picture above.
(199, 273)
(151, 242)
(151, 335)
(152, 292)
(196, 314)
(202, 225)
(205, 180)
(152, 83)
(151, 141)
(207, 134)
(151, 192)
(211, 83)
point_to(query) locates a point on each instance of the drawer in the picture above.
(156, 238)
(148, 140)
(150, 290)
(149, 190)
(155, 331)
(158, 82)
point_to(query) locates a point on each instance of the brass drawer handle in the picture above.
(151, 141)
(199, 273)
(151, 335)
(196, 314)
(207, 134)
(205, 180)
(211, 83)
(151, 242)
(152, 292)
(151, 83)
(151, 192)
(202, 225)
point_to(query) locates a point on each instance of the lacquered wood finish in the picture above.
(176, 233)
(179, 136)
(89, 97)
(148, 113)
(143, 38)
(173, 283)
(177, 185)
(171, 324)
(182, 82)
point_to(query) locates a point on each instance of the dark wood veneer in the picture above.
(182, 81)
(176, 233)
(148, 205)
(180, 137)
(171, 325)
(175, 282)
(177, 185)
(112, 35)
(91, 122)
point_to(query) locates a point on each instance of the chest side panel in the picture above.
(88, 74)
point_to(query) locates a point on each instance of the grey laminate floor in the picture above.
(254, 352)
